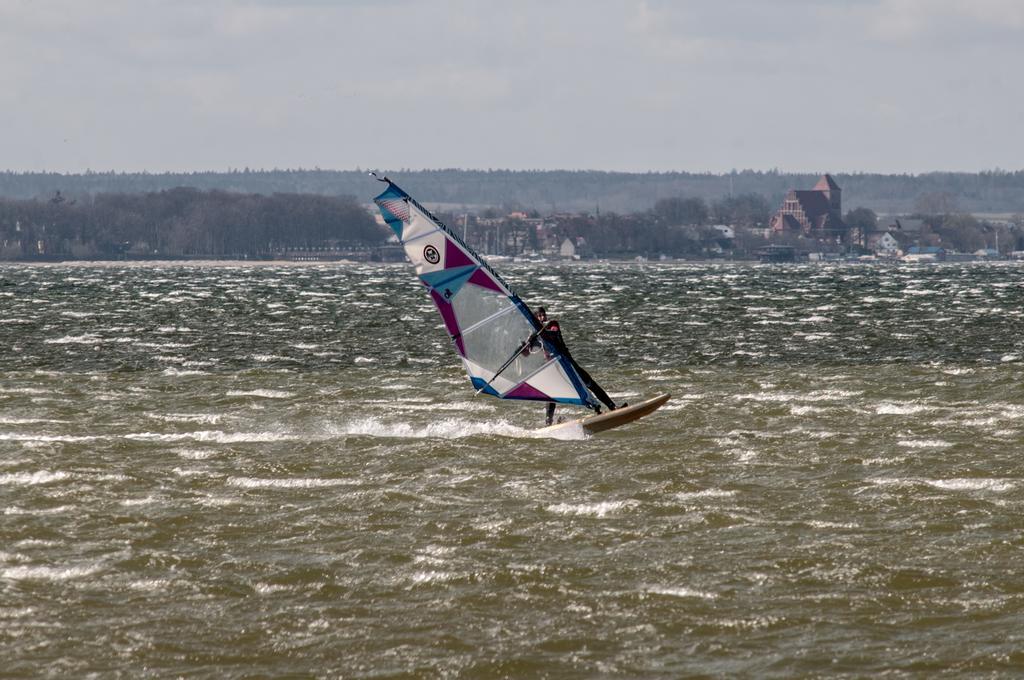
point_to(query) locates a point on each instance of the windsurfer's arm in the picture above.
(535, 338)
(552, 333)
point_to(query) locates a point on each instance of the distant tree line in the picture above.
(180, 222)
(675, 226)
(692, 227)
(187, 222)
(967, 234)
(550, 191)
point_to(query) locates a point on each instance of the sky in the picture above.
(893, 86)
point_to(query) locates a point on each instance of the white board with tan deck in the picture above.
(610, 419)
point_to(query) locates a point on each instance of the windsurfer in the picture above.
(552, 333)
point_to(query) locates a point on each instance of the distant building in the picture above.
(575, 249)
(814, 212)
(882, 242)
(925, 254)
(724, 230)
(907, 227)
(776, 253)
(568, 249)
(907, 231)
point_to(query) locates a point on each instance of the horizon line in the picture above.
(725, 173)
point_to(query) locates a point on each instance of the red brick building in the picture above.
(817, 212)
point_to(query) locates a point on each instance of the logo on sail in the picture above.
(431, 255)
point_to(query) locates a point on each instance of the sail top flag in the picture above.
(490, 327)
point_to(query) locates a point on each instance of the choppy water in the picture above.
(258, 471)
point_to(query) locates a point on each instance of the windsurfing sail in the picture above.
(489, 326)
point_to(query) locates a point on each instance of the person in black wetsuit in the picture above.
(552, 333)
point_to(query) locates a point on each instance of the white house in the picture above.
(883, 243)
(568, 249)
(724, 230)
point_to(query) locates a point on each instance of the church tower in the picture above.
(832, 192)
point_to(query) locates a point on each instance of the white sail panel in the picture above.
(500, 384)
(491, 344)
(418, 225)
(552, 380)
(475, 304)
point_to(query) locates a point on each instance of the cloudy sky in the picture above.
(634, 85)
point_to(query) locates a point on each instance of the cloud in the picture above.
(611, 84)
(945, 20)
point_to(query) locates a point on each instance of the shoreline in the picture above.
(214, 263)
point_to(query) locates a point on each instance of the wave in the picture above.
(924, 444)
(427, 577)
(706, 493)
(47, 573)
(997, 485)
(268, 358)
(600, 510)
(204, 418)
(265, 394)
(901, 409)
(679, 592)
(957, 484)
(215, 436)
(32, 478)
(280, 483)
(16, 510)
(447, 428)
(86, 339)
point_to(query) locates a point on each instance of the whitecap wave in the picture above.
(47, 573)
(447, 428)
(33, 478)
(196, 454)
(680, 592)
(215, 436)
(599, 510)
(767, 396)
(895, 460)
(819, 524)
(132, 502)
(924, 444)
(86, 339)
(960, 484)
(282, 483)
(706, 493)
(177, 372)
(16, 510)
(901, 409)
(203, 418)
(268, 358)
(427, 577)
(265, 394)
(69, 438)
(981, 484)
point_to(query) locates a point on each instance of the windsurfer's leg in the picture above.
(550, 416)
(593, 386)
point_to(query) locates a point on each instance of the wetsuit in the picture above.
(552, 333)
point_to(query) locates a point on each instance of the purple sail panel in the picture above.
(454, 257)
(449, 320)
(481, 278)
(526, 391)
